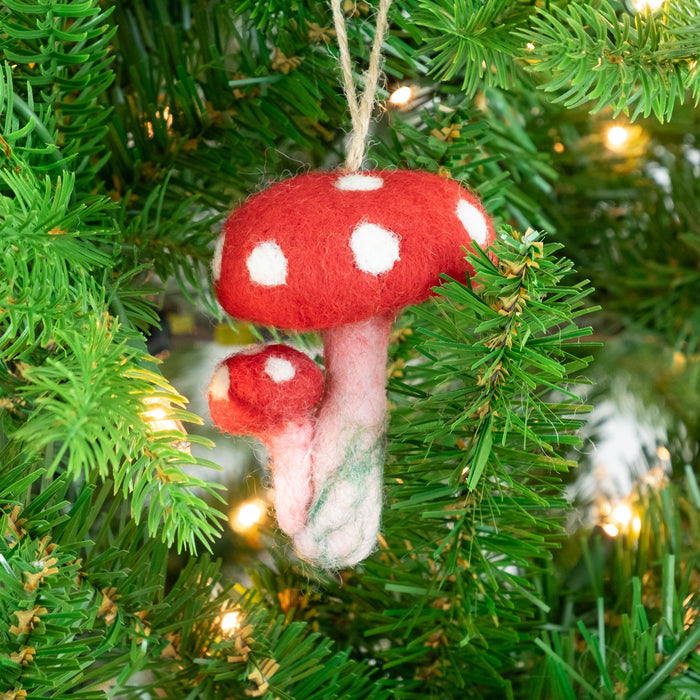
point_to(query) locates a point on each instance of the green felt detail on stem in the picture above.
(344, 518)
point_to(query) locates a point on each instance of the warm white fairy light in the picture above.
(642, 5)
(156, 414)
(401, 96)
(156, 417)
(619, 518)
(611, 530)
(247, 516)
(530, 46)
(622, 515)
(617, 136)
(663, 454)
(231, 622)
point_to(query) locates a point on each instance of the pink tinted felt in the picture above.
(354, 399)
(312, 221)
(291, 474)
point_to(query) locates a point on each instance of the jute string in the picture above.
(360, 110)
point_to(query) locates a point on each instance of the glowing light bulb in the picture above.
(642, 5)
(230, 622)
(637, 524)
(611, 530)
(617, 137)
(247, 516)
(530, 46)
(401, 96)
(158, 418)
(663, 454)
(622, 515)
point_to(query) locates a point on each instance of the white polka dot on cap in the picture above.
(267, 264)
(376, 249)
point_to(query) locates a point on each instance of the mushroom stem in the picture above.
(290, 455)
(348, 445)
(354, 396)
(270, 392)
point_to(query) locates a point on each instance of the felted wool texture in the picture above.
(354, 400)
(348, 446)
(291, 460)
(270, 392)
(286, 256)
(245, 399)
(344, 520)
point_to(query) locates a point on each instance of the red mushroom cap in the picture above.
(325, 249)
(256, 392)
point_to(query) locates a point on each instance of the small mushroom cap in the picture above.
(326, 249)
(258, 391)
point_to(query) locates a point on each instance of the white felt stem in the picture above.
(290, 455)
(348, 446)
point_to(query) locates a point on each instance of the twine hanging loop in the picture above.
(360, 110)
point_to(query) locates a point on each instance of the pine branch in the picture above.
(90, 397)
(75, 381)
(490, 150)
(637, 66)
(640, 641)
(47, 612)
(473, 40)
(63, 48)
(83, 611)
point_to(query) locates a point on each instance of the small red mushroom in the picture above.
(343, 253)
(270, 393)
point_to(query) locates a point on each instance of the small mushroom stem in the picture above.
(348, 445)
(270, 392)
(290, 455)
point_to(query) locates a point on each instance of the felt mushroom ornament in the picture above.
(340, 253)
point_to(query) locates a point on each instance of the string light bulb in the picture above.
(643, 5)
(619, 519)
(401, 96)
(616, 137)
(158, 418)
(247, 516)
(155, 414)
(611, 530)
(622, 515)
(231, 622)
